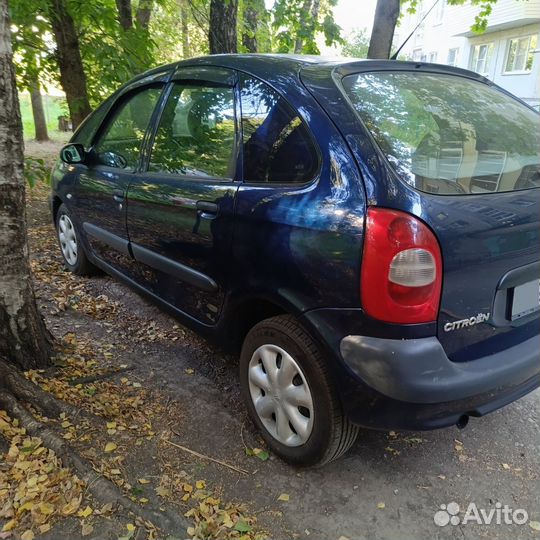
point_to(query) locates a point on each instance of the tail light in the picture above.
(401, 268)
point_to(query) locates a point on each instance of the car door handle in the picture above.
(118, 195)
(205, 207)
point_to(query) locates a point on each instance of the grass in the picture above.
(54, 107)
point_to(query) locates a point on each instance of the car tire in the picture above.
(307, 426)
(72, 250)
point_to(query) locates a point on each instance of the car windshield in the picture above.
(448, 134)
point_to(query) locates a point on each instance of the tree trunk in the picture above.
(143, 13)
(72, 76)
(384, 25)
(299, 43)
(222, 35)
(184, 19)
(40, 123)
(124, 14)
(24, 341)
(249, 35)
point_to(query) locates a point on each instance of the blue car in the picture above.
(364, 233)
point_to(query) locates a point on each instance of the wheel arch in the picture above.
(56, 203)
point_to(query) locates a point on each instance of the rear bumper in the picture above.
(413, 385)
(418, 370)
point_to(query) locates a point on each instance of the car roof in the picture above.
(268, 65)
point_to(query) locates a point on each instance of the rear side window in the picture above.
(447, 134)
(120, 143)
(277, 145)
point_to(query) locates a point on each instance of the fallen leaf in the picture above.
(283, 497)
(263, 455)
(505, 466)
(163, 491)
(242, 526)
(71, 507)
(27, 535)
(110, 447)
(534, 525)
(87, 529)
(190, 371)
(86, 512)
(381, 506)
(200, 484)
(143, 481)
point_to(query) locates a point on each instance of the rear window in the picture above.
(447, 134)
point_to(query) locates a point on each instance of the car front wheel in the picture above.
(290, 395)
(75, 258)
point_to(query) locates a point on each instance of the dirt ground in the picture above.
(388, 486)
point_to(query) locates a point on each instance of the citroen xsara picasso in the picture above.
(367, 232)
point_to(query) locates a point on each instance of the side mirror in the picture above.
(73, 153)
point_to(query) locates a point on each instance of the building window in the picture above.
(433, 57)
(417, 55)
(453, 57)
(481, 58)
(519, 56)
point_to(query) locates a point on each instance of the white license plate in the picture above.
(526, 299)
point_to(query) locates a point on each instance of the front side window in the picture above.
(196, 133)
(481, 58)
(520, 54)
(277, 146)
(120, 143)
(447, 134)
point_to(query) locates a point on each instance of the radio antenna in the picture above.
(394, 56)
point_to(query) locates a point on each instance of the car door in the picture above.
(112, 162)
(180, 212)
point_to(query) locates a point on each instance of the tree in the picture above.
(68, 53)
(384, 25)
(24, 340)
(222, 35)
(357, 44)
(249, 34)
(29, 34)
(40, 123)
(125, 14)
(298, 22)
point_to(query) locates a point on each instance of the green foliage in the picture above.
(111, 55)
(357, 44)
(34, 58)
(262, 32)
(35, 170)
(298, 22)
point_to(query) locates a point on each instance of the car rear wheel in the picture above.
(72, 250)
(290, 395)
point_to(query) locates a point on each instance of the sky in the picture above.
(352, 14)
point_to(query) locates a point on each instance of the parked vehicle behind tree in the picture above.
(364, 233)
